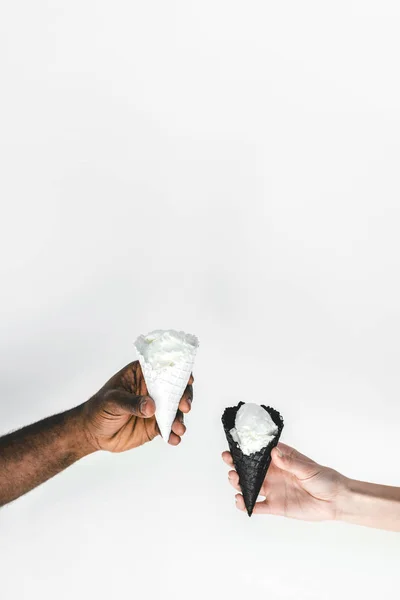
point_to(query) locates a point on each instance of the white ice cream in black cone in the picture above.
(252, 431)
(166, 358)
(254, 428)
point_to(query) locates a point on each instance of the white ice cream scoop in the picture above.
(166, 358)
(254, 428)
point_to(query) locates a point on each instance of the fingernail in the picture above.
(144, 408)
(279, 452)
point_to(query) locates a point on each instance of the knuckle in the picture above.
(109, 396)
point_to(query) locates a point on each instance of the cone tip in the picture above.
(165, 435)
(165, 430)
(249, 510)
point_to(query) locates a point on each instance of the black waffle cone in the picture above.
(251, 469)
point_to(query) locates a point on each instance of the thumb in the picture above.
(140, 406)
(293, 462)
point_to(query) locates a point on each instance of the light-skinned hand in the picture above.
(295, 486)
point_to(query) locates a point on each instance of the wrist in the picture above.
(360, 500)
(370, 504)
(346, 500)
(77, 440)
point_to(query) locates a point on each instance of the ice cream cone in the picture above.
(166, 385)
(251, 469)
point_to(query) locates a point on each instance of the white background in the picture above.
(230, 169)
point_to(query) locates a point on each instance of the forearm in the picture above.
(34, 454)
(371, 505)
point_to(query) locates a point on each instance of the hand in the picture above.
(295, 486)
(121, 415)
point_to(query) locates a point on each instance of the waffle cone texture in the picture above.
(251, 469)
(167, 387)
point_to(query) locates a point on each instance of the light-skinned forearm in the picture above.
(370, 504)
(34, 454)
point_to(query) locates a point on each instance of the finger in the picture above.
(178, 426)
(191, 379)
(140, 406)
(262, 508)
(234, 480)
(294, 463)
(288, 449)
(227, 458)
(186, 401)
(174, 439)
(240, 502)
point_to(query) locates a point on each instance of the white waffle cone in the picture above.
(166, 387)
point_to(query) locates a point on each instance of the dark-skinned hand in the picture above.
(121, 415)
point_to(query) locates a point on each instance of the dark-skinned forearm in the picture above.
(34, 454)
